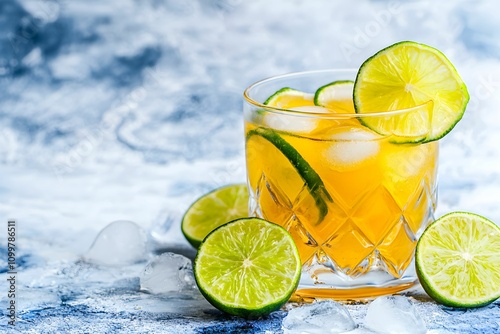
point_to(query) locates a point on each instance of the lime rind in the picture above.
(310, 177)
(457, 260)
(334, 91)
(284, 99)
(278, 93)
(248, 267)
(449, 102)
(285, 91)
(214, 209)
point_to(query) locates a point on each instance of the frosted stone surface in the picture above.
(127, 109)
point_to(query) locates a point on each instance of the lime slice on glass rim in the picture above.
(248, 267)
(405, 75)
(213, 210)
(458, 260)
(336, 96)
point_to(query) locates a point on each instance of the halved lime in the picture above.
(248, 267)
(336, 96)
(458, 260)
(310, 177)
(213, 210)
(287, 98)
(406, 75)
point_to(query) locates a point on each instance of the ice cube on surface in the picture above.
(351, 147)
(121, 242)
(168, 272)
(394, 314)
(320, 317)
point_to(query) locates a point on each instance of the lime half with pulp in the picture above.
(213, 210)
(406, 75)
(248, 267)
(458, 260)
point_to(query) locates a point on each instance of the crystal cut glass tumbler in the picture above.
(355, 201)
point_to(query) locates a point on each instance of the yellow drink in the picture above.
(356, 220)
(374, 200)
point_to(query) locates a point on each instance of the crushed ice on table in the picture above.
(320, 317)
(121, 242)
(394, 314)
(168, 272)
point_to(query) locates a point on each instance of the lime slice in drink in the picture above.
(298, 171)
(336, 96)
(213, 210)
(292, 99)
(248, 267)
(406, 75)
(288, 98)
(458, 260)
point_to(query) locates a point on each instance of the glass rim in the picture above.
(251, 101)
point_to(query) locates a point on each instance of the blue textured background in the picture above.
(132, 109)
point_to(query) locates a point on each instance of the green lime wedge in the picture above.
(311, 179)
(213, 210)
(458, 260)
(288, 98)
(248, 267)
(336, 96)
(407, 75)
